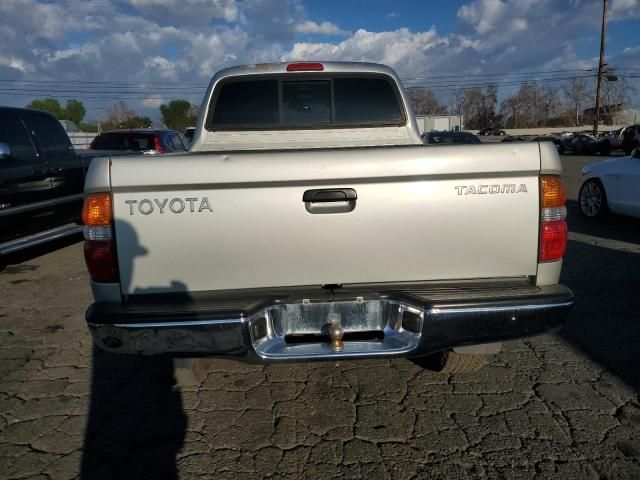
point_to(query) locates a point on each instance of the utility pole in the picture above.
(603, 34)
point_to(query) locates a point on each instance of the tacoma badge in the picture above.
(490, 189)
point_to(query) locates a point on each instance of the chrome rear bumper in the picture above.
(291, 327)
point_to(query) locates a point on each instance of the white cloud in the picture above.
(324, 28)
(624, 9)
(484, 15)
(156, 40)
(153, 102)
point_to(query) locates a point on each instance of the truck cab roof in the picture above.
(304, 105)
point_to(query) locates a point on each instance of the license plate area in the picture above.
(336, 329)
(315, 318)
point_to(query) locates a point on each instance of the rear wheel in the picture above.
(605, 148)
(593, 199)
(451, 362)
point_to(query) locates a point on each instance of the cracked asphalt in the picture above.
(561, 405)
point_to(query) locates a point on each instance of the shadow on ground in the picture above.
(136, 423)
(606, 281)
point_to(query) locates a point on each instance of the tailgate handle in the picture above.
(325, 195)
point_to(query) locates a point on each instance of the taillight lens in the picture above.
(553, 240)
(305, 67)
(99, 248)
(553, 214)
(157, 146)
(552, 193)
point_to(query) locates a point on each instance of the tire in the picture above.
(451, 362)
(592, 199)
(560, 149)
(605, 148)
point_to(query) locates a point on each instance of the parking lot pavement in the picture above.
(557, 406)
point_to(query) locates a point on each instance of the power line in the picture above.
(142, 83)
(103, 4)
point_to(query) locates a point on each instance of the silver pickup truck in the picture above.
(309, 222)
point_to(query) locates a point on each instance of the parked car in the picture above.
(449, 138)
(515, 138)
(492, 131)
(284, 236)
(544, 138)
(630, 138)
(585, 144)
(557, 142)
(612, 185)
(143, 140)
(41, 179)
(189, 132)
(613, 137)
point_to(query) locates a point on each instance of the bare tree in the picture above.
(530, 106)
(550, 103)
(119, 113)
(577, 94)
(616, 95)
(480, 107)
(424, 102)
(457, 106)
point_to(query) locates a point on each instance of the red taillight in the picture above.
(553, 226)
(101, 260)
(157, 146)
(99, 249)
(553, 240)
(305, 67)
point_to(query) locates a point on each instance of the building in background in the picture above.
(69, 126)
(427, 123)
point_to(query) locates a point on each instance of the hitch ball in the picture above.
(336, 333)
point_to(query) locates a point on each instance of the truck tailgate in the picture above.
(201, 222)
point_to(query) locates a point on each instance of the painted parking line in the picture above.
(604, 242)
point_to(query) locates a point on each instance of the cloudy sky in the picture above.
(151, 51)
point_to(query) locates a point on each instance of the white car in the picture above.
(612, 186)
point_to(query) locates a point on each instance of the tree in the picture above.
(424, 102)
(50, 105)
(75, 111)
(577, 93)
(530, 106)
(615, 97)
(480, 107)
(457, 105)
(178, 114)
(119, 113)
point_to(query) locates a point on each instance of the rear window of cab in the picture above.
(305, 102)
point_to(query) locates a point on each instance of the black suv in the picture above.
(41, 179)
